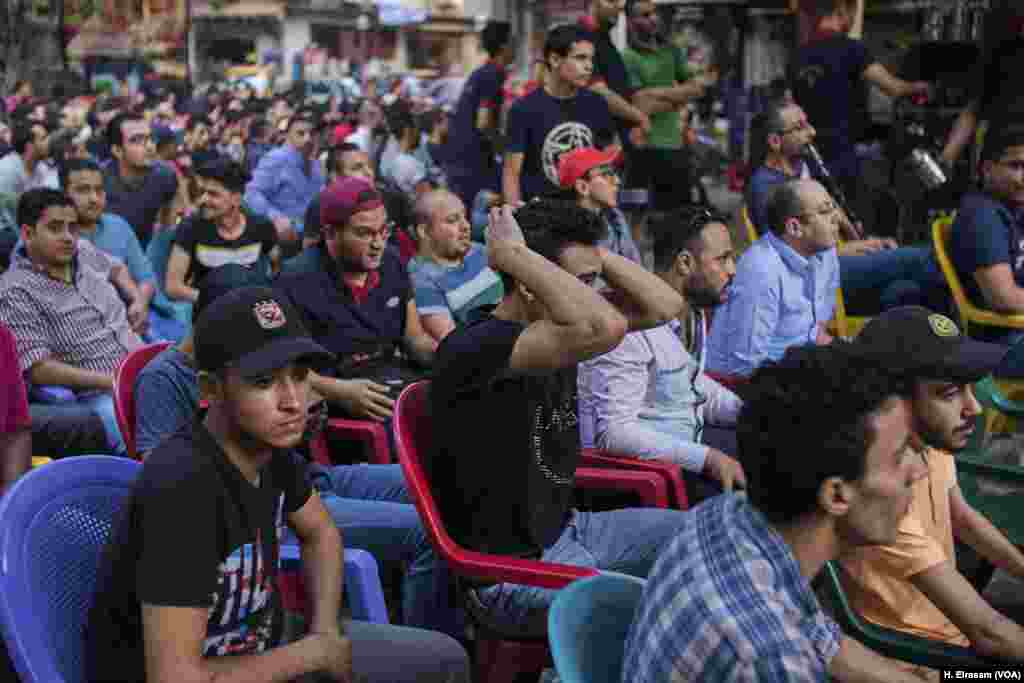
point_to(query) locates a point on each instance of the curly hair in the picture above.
(551, 225)
(806, 418)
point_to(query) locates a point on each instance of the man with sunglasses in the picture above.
(649, 397)
(359, 305)
(589, 173)
(987, 245)
(784, 292)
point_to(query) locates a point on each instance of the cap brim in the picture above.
(280, 353)
(973, 360)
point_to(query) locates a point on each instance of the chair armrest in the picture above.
(897, 644)
(373, 435)
(487, 568)
(673, 474)
(363, 589)
(50, 394)
(650, 486)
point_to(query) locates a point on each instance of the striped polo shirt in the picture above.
(82, 323)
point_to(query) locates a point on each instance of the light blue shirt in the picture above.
(114, 236)
(778, 299)
(280, 185)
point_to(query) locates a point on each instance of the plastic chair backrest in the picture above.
(124, 389)
(748, 224)
(588, 624)
(413, 440)
(56, 522)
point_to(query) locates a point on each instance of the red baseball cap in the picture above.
(346, 196)
(574, 165)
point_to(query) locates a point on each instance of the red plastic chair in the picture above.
(672, 474)
(373, 435)
(499, 658)
(124, 390)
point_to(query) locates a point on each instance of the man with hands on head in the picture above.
(508, 378)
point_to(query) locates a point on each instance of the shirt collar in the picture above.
(792, 260)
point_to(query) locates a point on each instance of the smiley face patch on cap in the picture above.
(943, 326)
(269, 314)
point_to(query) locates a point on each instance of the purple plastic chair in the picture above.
(54, 523)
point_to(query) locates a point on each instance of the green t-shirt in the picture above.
(661, 68)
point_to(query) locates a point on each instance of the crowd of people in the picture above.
(307, 261)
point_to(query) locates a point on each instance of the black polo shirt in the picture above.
(610, 69)
(364, 335)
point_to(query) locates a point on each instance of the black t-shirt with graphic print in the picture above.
(506, 447)
(208, 250)
(543, 128)
(194, 533)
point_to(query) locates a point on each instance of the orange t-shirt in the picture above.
(877, 578)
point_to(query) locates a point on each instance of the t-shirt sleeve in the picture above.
(470, 358)
(168, 573)
(430, 298)
(490, 91)
(981, 239)
(859, 55)
(518, 131)
(15, 416)
(290, 475)
(185, 236)
(683, 72)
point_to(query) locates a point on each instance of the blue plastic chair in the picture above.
(588, 624)
(54, 523)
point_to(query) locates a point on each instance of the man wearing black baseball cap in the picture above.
(170, 611)
(913, 585)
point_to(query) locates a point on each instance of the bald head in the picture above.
(441, 227)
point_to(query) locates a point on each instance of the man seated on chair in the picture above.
(784, 292)
(450, 274)
(222, 233)
(71, 325)
(912, 583)
(875, 274)
(649, 397)
(230, 487)
(360, 305)
(987, 245)
(16, 424)
(589, 175)
(508, 380)
(826, 440)
(82, 179)
(370, 503)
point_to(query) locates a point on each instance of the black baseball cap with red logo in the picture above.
(257, 331)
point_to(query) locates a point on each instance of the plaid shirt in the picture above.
(726, 602)
(82, 323)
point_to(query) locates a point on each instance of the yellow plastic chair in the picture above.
(39, 461)
(748, 224)
(942, 232)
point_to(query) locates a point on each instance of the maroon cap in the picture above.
(347, 196)
(574, 165)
